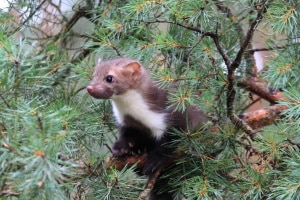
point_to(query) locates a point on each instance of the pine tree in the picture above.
(55, 139)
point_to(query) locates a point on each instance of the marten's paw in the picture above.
(122, 147)
(127, 147)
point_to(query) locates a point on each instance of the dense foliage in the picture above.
(54, 138)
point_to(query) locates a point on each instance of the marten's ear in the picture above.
(99, 62)
(132, 69)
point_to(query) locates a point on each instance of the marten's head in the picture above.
(115, 77)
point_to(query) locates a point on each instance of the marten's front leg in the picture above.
(159, 157)
(132, 141)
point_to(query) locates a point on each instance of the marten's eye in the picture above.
(109, 79)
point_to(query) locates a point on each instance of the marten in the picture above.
(142, 111)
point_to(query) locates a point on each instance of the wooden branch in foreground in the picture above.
(120, 162)
(150, 184)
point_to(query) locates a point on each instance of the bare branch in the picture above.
(261, 89)
(30, 16)
(150, 184)
(215, 37)
(5, 102)
(264, 49)
(179, 24)
(249, 36)
(231, 73)
(263, 117)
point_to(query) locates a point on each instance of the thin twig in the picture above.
(212, 35)
(5, 102)
(249, 36)
(177, 23)
(150, 184)
(30, 16)
(192, 48)
(293, 143)
(264, 49)
(9, 193)
(215, 37)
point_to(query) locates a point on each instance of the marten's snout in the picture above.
(90, 89)
(99, 92)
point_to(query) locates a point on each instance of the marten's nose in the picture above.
(90, 89)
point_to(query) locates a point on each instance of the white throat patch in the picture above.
(132, 103)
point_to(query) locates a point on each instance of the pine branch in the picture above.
(30, 16)
(5, 101)
(249, 56)
(177, 23)
(249, 36)
(81, 12)
(235, 64)
(9, 193)
(215, 37)
(231, 92)
(261, 89)
(263, 117)
(212, 35)
(265, 49)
